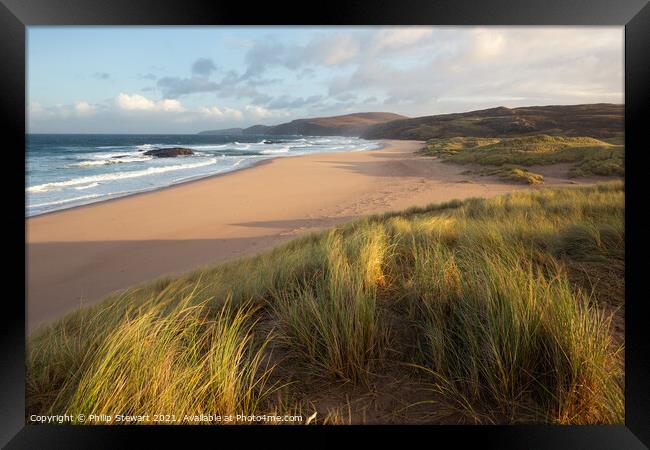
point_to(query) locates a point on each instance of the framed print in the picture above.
(411, 217)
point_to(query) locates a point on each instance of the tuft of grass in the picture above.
(170, 358)
(511, 173)
(504, 304)
(589, 156)
(332, 317)
(512, 344)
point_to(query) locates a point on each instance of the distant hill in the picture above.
(226, 131)
(600, 120)
(345, 125)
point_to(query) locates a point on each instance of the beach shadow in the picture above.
(62, 276)
(401, 168)
(392, 155)
(317, 222)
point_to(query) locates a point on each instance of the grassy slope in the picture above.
(500, 308)
(356, 119)
(600, 120)
(589, 156)
(344, 125)
(511, 173)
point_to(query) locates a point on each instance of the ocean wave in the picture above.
(117, 176)
(242, 146)
(114, 160)
(101, 162)
(272, 151)
(87, 186)
(66, 200)
(208, 147)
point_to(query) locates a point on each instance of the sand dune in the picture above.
(78, 256)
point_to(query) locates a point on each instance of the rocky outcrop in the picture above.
(171, 152)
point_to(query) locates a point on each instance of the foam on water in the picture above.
(117, 176)
(273, 151)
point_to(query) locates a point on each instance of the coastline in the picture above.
(381, 143)
(81, 254)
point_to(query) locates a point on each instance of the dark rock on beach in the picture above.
(169, 152)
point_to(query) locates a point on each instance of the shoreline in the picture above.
(79, 255)
(156, 189)
(381, 142)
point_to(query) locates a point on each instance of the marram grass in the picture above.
(179, 359)
(588, 156)
(499, 309)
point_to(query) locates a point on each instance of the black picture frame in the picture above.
(16, 15)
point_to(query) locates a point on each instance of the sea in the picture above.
(66, 170)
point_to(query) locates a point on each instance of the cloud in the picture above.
(286, 101)
(222, 113)
(420, 67)
(488, 44)
(136, 102)
(398, 38)
(259, 112)
(249, 112)
(346, 96)
(173, 87)
(35, 108)
(329, 49)
(231, 85)
(170, 105)
(84, 109)
(203, 67)
(268, 53)
(333, 50)
(494, 65)
(79, 109)
(408, 69)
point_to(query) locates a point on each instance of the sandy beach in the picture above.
(78, 256)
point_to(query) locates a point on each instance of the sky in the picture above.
(189, 79)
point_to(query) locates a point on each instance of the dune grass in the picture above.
(494, 307)
(589, 156)
(515, 174)
(332, 317)
(178, 358)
